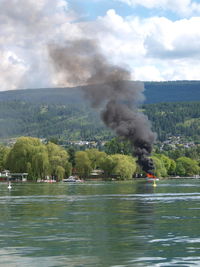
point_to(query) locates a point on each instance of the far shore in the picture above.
(100, 180)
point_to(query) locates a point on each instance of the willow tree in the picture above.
(38, 160)
(40, 166)
(160, 169)
(107, 164)
(58, 159)
(29, 155)
(125, 166)
(83, 163)
(164, 166)
(187, 167)
(59, 172)
(4, 151)
(95, 157)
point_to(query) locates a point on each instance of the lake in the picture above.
(100, 224)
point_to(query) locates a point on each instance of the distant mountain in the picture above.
(80, 122)
(64, 112)
(44, 95)
(155, 92)
(172, 91)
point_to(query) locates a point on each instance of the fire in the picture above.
(150, 175)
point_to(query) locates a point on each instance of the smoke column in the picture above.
(81, 62)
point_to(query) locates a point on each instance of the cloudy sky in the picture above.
(156, 40)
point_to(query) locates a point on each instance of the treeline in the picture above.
(29, 155)
(172, 91)
(41, 160)
(173, 119)
(80, 122)
(71, 122)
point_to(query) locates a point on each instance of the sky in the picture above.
(154, 40)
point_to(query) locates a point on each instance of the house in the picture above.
(18, 177)
(4, 175)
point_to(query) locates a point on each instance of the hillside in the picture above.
(155, 92)
(63, 112)
(79, 122)
(175, 119)
(172, 91)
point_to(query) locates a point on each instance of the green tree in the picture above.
(172, 168)
(58, 157)
(53, 139)
(71, 152)
(40, 164)
(187, 167)
(83, 163)
(107, 164)
(169, 164)
(59, 172)
(118, 146)
(180, 170)
(68, 169)
(38, 160)
(166, 160)
(95, 157)
(27, 155)
(125, 166)
(160, 170)
(4, 151)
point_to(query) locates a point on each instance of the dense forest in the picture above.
(80, 122)
(175, 119)
(42, 160)
(172, 91)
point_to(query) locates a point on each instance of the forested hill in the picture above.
(155, 92)
(80, 122)
(174, 91)
(64, 112)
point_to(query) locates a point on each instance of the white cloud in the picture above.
(173, 40)
(12, 70)
(181, 7)
(154, 48)
(147, 73)
(26, 26)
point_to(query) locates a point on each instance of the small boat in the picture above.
(151, 178)
(9, 185)
(72, 179)
(69, 180)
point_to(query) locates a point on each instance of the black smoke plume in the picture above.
(81, 63)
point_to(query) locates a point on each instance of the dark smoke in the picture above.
(80, 62)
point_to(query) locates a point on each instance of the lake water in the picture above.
(100, 224)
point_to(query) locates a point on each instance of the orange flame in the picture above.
(150, 175)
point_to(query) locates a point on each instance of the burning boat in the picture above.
(150, 177)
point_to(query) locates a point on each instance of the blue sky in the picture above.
(155, 40)
(91, 9)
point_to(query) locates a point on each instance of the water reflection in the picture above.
(99, 224)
